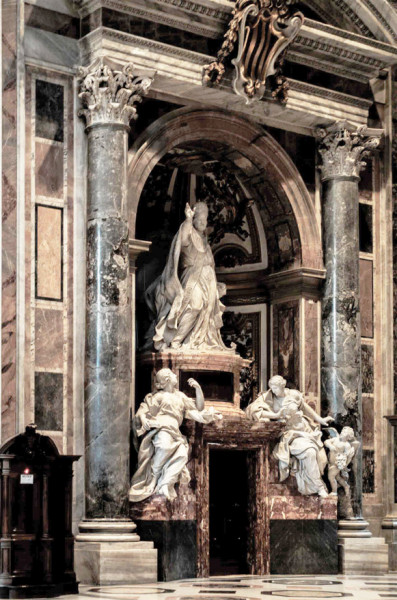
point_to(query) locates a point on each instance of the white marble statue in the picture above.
(163, 450)
(186, 296)
(300, 450)
(342, 448)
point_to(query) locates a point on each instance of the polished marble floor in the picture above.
(246, 587)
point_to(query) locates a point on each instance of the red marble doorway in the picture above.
(228, 511)
(235, 436)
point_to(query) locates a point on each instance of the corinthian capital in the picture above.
(110, 96)
(343, 146)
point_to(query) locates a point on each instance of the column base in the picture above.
(108, 552)
(389, 525)
(353, 528)
(359, 552)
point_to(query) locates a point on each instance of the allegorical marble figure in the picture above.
(300, 450)
(186, 296)
(163, 450)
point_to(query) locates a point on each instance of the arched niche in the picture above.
(281, 198)
(265, 167)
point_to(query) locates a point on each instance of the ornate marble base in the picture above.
(108, 552)
(217, 372)
(389, 526)
(358, 556)
(353, 528)
(175, 541)
(300, 547)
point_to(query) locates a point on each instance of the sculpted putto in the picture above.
(163, 450)
(186, 296)
(300, 450)
(342, 448)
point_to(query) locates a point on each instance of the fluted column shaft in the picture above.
(342, 148)
(108, 97)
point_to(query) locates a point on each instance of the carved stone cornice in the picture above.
(109, 96)
(135, 248)
(295, 282)
(342, 148)
(319, 45)
(179, 80)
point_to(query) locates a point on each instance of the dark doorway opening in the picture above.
(228, 511)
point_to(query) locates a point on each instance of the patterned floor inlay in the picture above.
(206, 598)
(124, 591)
(306, 594)
(223, 585)
(383, 589)
(299, 581)
(249, 587)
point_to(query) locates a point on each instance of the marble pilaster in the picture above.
(108, 97)
(342, 148)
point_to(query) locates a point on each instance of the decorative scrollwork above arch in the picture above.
(263, 29)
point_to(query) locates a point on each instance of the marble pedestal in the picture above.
(111, 553)
(389, 526)
(303, 535)
(218, 374)
(363, 557)
(359, 552)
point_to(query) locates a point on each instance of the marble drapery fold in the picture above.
(185, 299)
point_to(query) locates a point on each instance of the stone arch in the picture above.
(274, 179)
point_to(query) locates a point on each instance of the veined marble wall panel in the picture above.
(368, 421)
(49, 254)
(366, 298)
(367, 366)
(9, 219)
(248, 330)
(311, 331)
(285, 341)
(48, 339)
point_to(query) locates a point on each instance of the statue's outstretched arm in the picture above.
(187, 225)
(199, 393)
(309, 412)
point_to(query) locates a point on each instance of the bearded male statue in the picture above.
(185, 299)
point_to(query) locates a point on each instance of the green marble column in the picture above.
(108, 97)
(342, 148)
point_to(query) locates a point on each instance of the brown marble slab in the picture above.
(302, 507)
(366, 298)
(48, 338)
(368, 421)
(311, 347)
(48, 252)
(158, 508)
